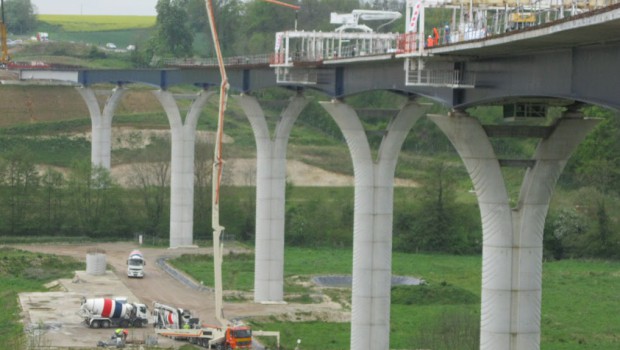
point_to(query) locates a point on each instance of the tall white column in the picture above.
(512, 237)
(270, 195)
(372, 221)
(183, 136)
(101, 124)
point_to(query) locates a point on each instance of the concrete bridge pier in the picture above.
(101, 124)
(373, 216)
(183, 136)
(270, 194)
(512, 237)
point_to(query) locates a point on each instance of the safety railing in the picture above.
(250, 60)
(505, 22)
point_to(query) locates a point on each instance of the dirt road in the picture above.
(157, 285)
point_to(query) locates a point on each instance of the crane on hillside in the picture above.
(4, 59)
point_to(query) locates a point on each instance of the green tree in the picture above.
(565, 234)
(173, 36)
(19, 16)
(315, 14)
(150, 176)
(21, 179)
(260, 22)
(95, 201)
(203, 173)
(604, 230)
(437, 221)
(229, 19)
(197, 14)
(52, 183)
(597, 160)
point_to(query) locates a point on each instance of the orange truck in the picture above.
(179, 324)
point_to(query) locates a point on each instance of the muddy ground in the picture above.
(55, 311)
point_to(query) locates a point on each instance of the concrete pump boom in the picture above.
(218, 165)
(294, 7)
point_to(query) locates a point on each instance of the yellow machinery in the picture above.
(5, 49)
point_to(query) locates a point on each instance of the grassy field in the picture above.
(580, 298)
(85, 23)
(67, 32)
(25, 272)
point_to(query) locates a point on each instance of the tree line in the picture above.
(583, 222)
(244, 27)
(88, 201)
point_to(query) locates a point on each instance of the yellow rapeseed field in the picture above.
(80, 23)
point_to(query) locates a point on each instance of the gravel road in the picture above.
(65, 329)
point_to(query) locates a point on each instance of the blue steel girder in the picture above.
(587, 74)
(241, 80)
(152, 77)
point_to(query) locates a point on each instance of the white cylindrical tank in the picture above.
(106, 307)
(96, 263)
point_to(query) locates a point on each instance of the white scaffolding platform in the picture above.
(308, 47)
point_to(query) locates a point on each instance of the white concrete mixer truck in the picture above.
(135, 264)
(179, 324)
(117, 312)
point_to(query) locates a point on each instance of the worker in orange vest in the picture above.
(435, 37)
(429, 41)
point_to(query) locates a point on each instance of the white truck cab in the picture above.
(135, 264)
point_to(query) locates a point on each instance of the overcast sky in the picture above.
(96, 7)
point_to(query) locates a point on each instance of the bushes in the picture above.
(587, 230)
(442, 294)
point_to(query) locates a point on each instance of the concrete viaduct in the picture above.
(572, 62)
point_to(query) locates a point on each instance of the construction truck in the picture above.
(135, 264)
(178, 324)
(117, 312)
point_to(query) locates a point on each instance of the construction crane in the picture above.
(4, 59)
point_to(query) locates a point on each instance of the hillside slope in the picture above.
(28, 105)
